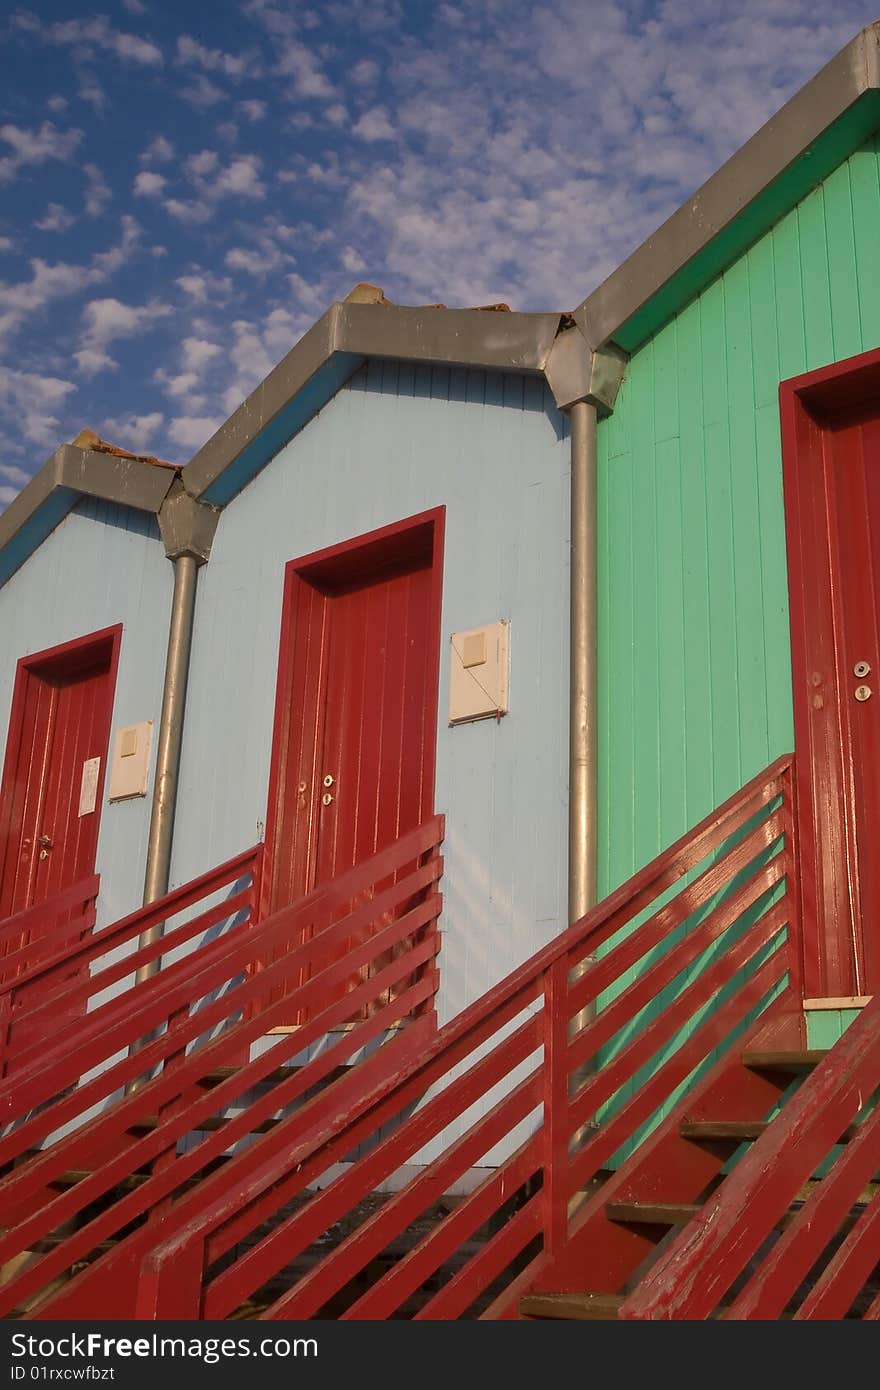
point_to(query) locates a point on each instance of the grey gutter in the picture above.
(332, 350)
(69, 474)
(740, 193)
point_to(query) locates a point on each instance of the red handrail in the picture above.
(490, 1058)
(717, 1246)
(395, 956)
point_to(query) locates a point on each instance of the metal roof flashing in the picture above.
(332, 350)
(68, 475)
(820, 127)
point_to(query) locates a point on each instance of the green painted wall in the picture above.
(695, 688)
(695, 693)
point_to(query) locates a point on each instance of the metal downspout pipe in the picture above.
(180, 632)
(583, 689)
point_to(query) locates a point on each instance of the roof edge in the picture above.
(69, 474)
(821, 125)
(327, 355)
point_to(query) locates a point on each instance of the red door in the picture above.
(53, 774)
(831, 445)
(355, 737)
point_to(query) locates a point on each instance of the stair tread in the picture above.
(793, 1062)
(214, 1123)
(577, 1307)
(738, 1131)
(652, 1213)
(220, 1074)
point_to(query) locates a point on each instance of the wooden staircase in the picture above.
(628, 1126)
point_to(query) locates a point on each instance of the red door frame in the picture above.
(829, 890)
(294, 572)
(67, 657)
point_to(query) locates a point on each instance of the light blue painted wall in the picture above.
(103, 564)
(393, 442)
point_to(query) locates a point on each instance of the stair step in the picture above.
(47, 1243)
(738, 1131)
(75, 1175)
(221, 1074)
(791, 1063)
(575, 1307)
(215, 1123)
(652, 1213)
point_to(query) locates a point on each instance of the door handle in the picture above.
(45, 841)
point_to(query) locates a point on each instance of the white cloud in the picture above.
(12, 474)
(98, 194)
(135, 432)
(252, 262)
(109, 320)
(200, 286)
(159, 151)
(91, 91)
(94, 32)
(253, 110)
(235, 65)
(57, 103)
(203, 163)
(32, 399)
(202, 93)
(134, 6)
(309, 79)
(6, 243)
(241, 178)
(7, 495)
(212, 181)
(353, 261)
(374, 125)
(35, 146)
(191, 431)
(148, 184)
(365, 72)
(198, 352)
(56, 218)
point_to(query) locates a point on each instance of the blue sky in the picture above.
(184, 188)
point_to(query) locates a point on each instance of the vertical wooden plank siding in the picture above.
(395, 441)
(714, 574)
(103, 564)
(695, 688)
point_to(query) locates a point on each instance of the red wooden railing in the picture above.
(200, 1012)
(48, 930)
(720, 1245)
(503, 1085)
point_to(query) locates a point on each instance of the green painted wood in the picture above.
(694, 649)
(695, 691)
(857, 125)
(826, 1026)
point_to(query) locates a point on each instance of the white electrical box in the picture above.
(479, 676)
(130, 766)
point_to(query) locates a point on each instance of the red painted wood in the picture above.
(356, 701)
(227, 1206)
(61, 711)
(830, 432)
(557, 1012)
(151, 1097)
(802, 1243)
(690, 1280)
(601, 1255)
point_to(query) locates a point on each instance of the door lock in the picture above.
(45, 845)
(862, 693)
(326, 799)
(328, 780)
(862, 669)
